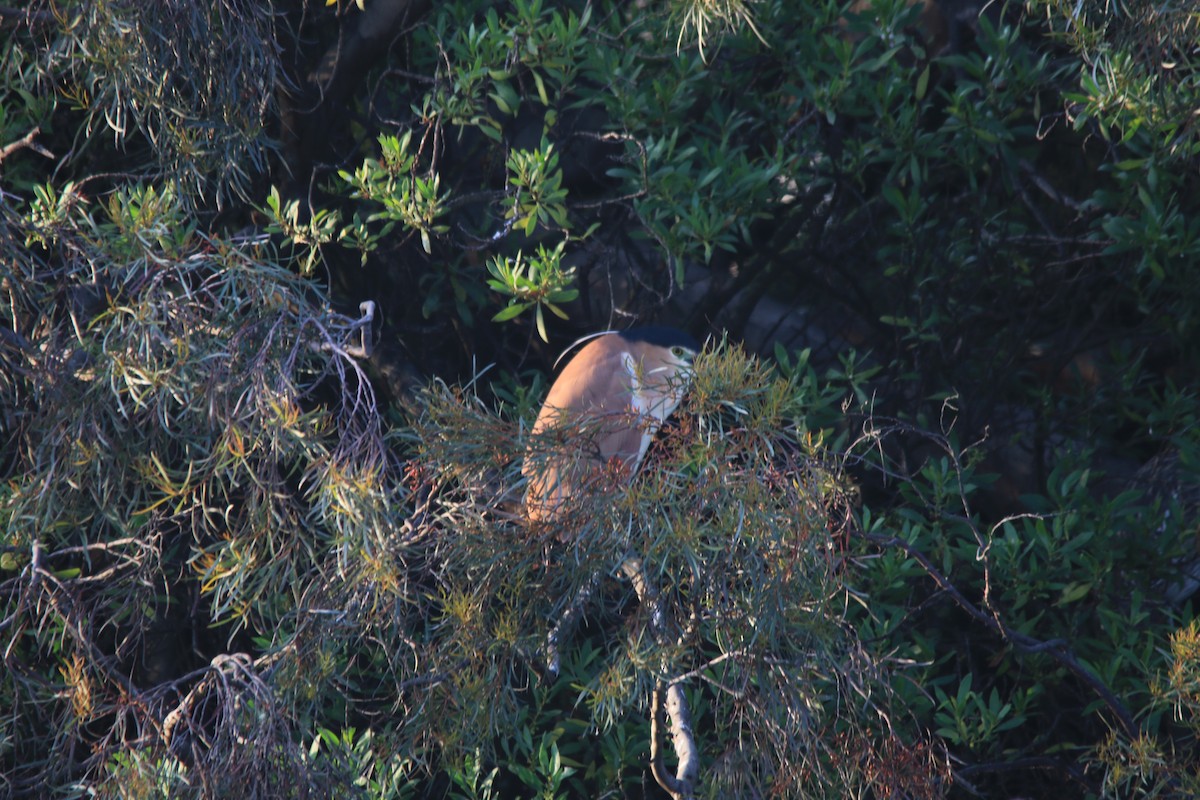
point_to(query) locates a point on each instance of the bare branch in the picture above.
(362, 325)
(682, 784)
(26, 141)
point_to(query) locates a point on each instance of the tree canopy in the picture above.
(283, 286)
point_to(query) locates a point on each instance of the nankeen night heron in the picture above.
(609, 401)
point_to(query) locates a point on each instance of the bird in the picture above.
(611, 398)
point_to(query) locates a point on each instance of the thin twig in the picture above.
(9, 14)
(26, 141)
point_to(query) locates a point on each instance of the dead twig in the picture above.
(26, 141)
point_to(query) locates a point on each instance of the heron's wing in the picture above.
(595, 382)
(557, 473)
(590, 400)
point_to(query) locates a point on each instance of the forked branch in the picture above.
(673, 707)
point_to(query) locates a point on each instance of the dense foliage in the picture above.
(938, 539)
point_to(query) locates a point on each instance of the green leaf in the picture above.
(541, 88)
(923, 82)
(710, 177)
(430, 305)
(1074, 592)
(563, 295)
(510, 312)
(895, 198)
(501, 103)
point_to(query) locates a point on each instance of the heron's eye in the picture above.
(678, 351)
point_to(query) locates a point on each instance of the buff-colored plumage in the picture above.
(607, 404)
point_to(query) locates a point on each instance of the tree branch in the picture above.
(1056, 649)
(26, 141)
(566, 625)
(675, 709)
